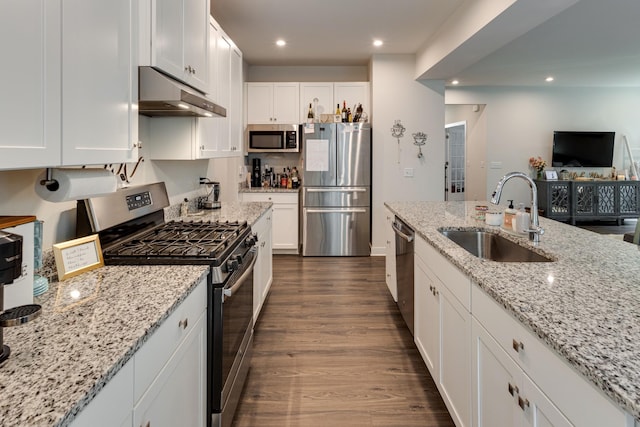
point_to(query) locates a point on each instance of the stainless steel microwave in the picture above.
(273, 138)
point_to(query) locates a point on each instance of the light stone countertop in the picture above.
(62, 359)
(268, 190)
(585, 305)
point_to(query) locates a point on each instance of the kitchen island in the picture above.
(90, 327)
(584, 306)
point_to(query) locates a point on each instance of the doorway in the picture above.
(455, 148)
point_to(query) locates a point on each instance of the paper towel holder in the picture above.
(49, 182)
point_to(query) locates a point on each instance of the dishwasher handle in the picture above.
(399, 232)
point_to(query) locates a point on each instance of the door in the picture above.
(353, 154)
(455, 161)
(319, 163)
(336, 231)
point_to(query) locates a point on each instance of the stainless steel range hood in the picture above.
(161, 95)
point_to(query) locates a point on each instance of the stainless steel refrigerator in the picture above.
(336, 189)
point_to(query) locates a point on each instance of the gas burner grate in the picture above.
(207, 241)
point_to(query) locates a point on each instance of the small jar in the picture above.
(481, 211)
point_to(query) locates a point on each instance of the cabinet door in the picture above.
(177, 396)
(584, 196)
(224, 92)
(30, 122)
(285, 226)
(262, 277)
(259, 103)
(455, 369)
(606, 199)
(323, 92)
(628, 198)
(390, 256)
(537, 410)
(234, 113)
(427, 317)
(196, 43)
(168, 39)
(495, 381)
(285, 103)
(353, 93)
(99, 81)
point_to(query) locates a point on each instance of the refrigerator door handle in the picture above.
(336, 190)
(347, 210)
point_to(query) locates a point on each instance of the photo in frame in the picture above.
(77, 256)
(551, 175)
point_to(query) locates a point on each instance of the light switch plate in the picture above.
(408, 172)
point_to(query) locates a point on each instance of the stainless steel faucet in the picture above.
(535, 231)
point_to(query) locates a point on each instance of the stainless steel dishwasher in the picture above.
(404, 269)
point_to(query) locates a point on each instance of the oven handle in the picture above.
(228, 292)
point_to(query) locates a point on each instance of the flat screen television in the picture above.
(582, 149)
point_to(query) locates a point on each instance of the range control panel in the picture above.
(140, 200)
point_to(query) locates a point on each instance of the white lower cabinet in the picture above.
(263, 270)
(442, 329)
(550, 385)
(390, 255)
(489, 369)
(165, 383)
(285, 219)
(504, 394)
(177, 396)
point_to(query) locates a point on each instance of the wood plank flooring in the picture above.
(331, 349)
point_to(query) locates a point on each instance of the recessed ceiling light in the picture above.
(377, 43)
(281, 42)
(455, 82)
(549, 79)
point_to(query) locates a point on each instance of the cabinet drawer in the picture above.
(457, 283)
(581, 402)
(153, 355)
(270, 197)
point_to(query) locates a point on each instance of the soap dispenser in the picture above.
(509, 215)
(521, 221)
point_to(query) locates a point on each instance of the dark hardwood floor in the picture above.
(331, 349)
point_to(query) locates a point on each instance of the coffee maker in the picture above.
(256, 174)
(212, 200)
(11, 269)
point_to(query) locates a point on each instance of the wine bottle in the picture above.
(349, 116)
(338, 109)
(344, 112)
(310, 115)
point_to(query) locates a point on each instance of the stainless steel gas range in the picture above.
(133, 231)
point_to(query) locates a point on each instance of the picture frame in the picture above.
(77, 256)
(551, 175)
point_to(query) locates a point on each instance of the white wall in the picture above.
(521, 121)
(420, 107)
(307, 74)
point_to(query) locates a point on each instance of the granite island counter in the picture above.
(91, 325)
(585, 305)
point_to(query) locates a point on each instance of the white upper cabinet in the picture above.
(73, 83)
(323, 93)
(175, 38)
(99, 82)
(273, 103)
(330, 95)
(30, 111)
(353, 93)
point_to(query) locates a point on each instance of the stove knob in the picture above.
(250, 241)
(232, 265)
(238, 258)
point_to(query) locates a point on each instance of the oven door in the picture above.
(230, 341)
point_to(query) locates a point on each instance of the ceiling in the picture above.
(592, 43)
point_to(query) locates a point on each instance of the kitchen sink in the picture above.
(492, 246)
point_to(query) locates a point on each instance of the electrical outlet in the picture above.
(408, 172)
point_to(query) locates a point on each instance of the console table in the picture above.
(573, 201)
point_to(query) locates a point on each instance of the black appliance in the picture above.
(11, 269)
(229, 248)
(582, 149)
(256, 174)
